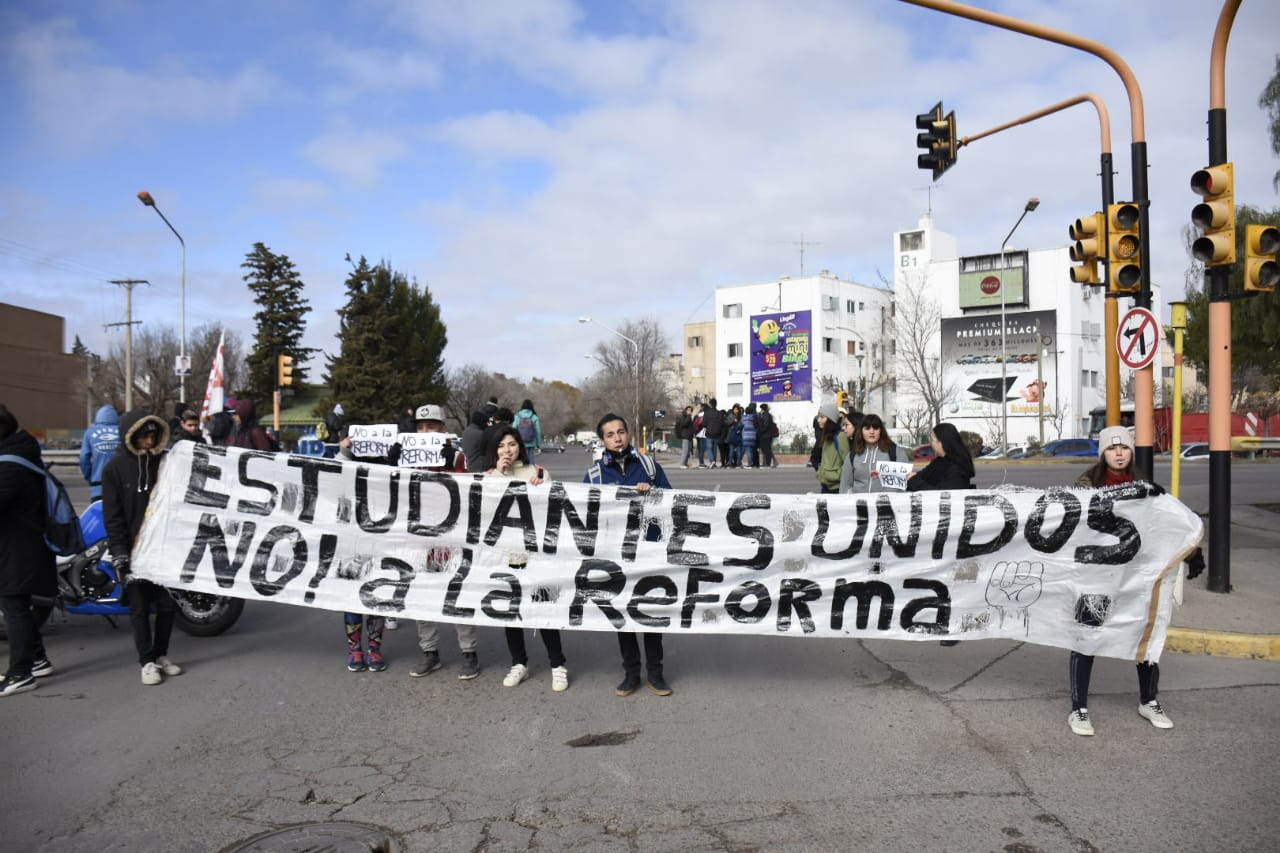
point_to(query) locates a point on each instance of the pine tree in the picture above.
(392, 351)
(277, 289)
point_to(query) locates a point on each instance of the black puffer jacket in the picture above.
(26, 563)
(128, 480)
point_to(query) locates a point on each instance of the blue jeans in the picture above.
(709, 446)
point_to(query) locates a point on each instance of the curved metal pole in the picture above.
(145, 198)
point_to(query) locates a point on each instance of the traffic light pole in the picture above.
(1217, 280)
(1144, 402)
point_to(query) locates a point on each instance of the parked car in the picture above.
(1016, 452)
(1071, 447)
(1195, 450)
(924, 451)
(552, 447)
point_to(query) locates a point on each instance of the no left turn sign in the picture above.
(1138, 338)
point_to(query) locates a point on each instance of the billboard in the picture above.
(971, 363)
(981, 288)
(781, 357)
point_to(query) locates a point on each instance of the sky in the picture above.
(536, 161)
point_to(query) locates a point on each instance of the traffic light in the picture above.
(1087, 232)
(284, 370)
(1216, 216)
(1124, 242)
(842, 400)
(938, 140)
(1261, 245)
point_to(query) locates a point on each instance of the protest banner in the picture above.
(423, 449)
(893, 475)
(1085, 569)
(371, 440)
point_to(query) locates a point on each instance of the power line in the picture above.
(32, 255)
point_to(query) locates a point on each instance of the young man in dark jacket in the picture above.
(27, 573)
(126, 490)
(621, 464)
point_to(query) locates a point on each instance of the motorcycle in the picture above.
(87, 585)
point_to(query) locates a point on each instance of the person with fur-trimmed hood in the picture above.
(126, 490)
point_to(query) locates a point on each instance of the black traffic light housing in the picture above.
(938, 140)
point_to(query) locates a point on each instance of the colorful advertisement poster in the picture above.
(971, 362)
(781, 357)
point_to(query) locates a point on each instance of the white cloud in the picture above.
(357, 157)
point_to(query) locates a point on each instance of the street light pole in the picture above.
(146, 199)
(635, 425)
(1032, 204)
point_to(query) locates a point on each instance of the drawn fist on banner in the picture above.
(1015, 584)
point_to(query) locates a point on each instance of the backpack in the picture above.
(524, 426)
(61, 524)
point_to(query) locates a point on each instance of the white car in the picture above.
(1195, 450)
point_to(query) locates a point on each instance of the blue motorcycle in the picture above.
(87, 585)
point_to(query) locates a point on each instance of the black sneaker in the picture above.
(430, 663)
(42, 668)
(470, 666)
(12, 685)
(630, 684)
(659, 685)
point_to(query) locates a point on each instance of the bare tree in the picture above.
(155, 385)
(628, 379)
(917, 420)
(555, 402)
(918, 327)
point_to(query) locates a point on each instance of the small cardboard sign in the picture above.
(423, 449)
(893, 475)
(371, 439)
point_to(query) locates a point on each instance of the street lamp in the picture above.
(1032, 204)
(635, 424)
(145, 198)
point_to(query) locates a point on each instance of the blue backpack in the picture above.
(61, 524)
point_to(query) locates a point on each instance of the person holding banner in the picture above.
(1115, 466)
(621, 464)
(509, 457)
(871, 446)
(951, 466)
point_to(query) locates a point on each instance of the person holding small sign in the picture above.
(871, 446)
(509, 457)
(621, 464)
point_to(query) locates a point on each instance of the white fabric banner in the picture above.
(1083, 569)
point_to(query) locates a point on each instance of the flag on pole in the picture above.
(214, 393)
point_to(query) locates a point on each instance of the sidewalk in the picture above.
(1244, 623)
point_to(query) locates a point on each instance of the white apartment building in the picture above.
(790, 342)
(1043, 367)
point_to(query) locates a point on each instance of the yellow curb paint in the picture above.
(1223, 644)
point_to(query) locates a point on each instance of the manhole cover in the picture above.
(319, 838)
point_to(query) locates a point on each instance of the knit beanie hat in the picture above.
(1113, 435)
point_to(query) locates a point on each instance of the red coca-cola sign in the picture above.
(990, 285)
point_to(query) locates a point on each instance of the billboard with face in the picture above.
(781, 357)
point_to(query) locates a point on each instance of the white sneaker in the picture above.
(1154, 714)
(559, 679)
(392, 623)
(168, 667)
(151, 674)
(518, 673)
(1079, 722)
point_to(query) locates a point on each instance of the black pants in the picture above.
(630, 648)
(550, 639)
(141, 596)
(23, 620)
(1082, 671)
(766, 450)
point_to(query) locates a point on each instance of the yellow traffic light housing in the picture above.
(1216, 216)
(842, 400)
(1087, 233)
(938, 140)
(284, 370)
(1124, 248)
(1261, 246)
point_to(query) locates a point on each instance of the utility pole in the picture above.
(128, 284)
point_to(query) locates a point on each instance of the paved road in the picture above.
(767, 744)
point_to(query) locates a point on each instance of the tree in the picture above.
(623, 368)
(1255, 321)
(277, 289)
(392, 353)
(1270, 101)
(918, 327)
(556, 402)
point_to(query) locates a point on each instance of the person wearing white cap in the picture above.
(1115, 466)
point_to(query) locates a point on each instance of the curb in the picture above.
(1223, 644)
